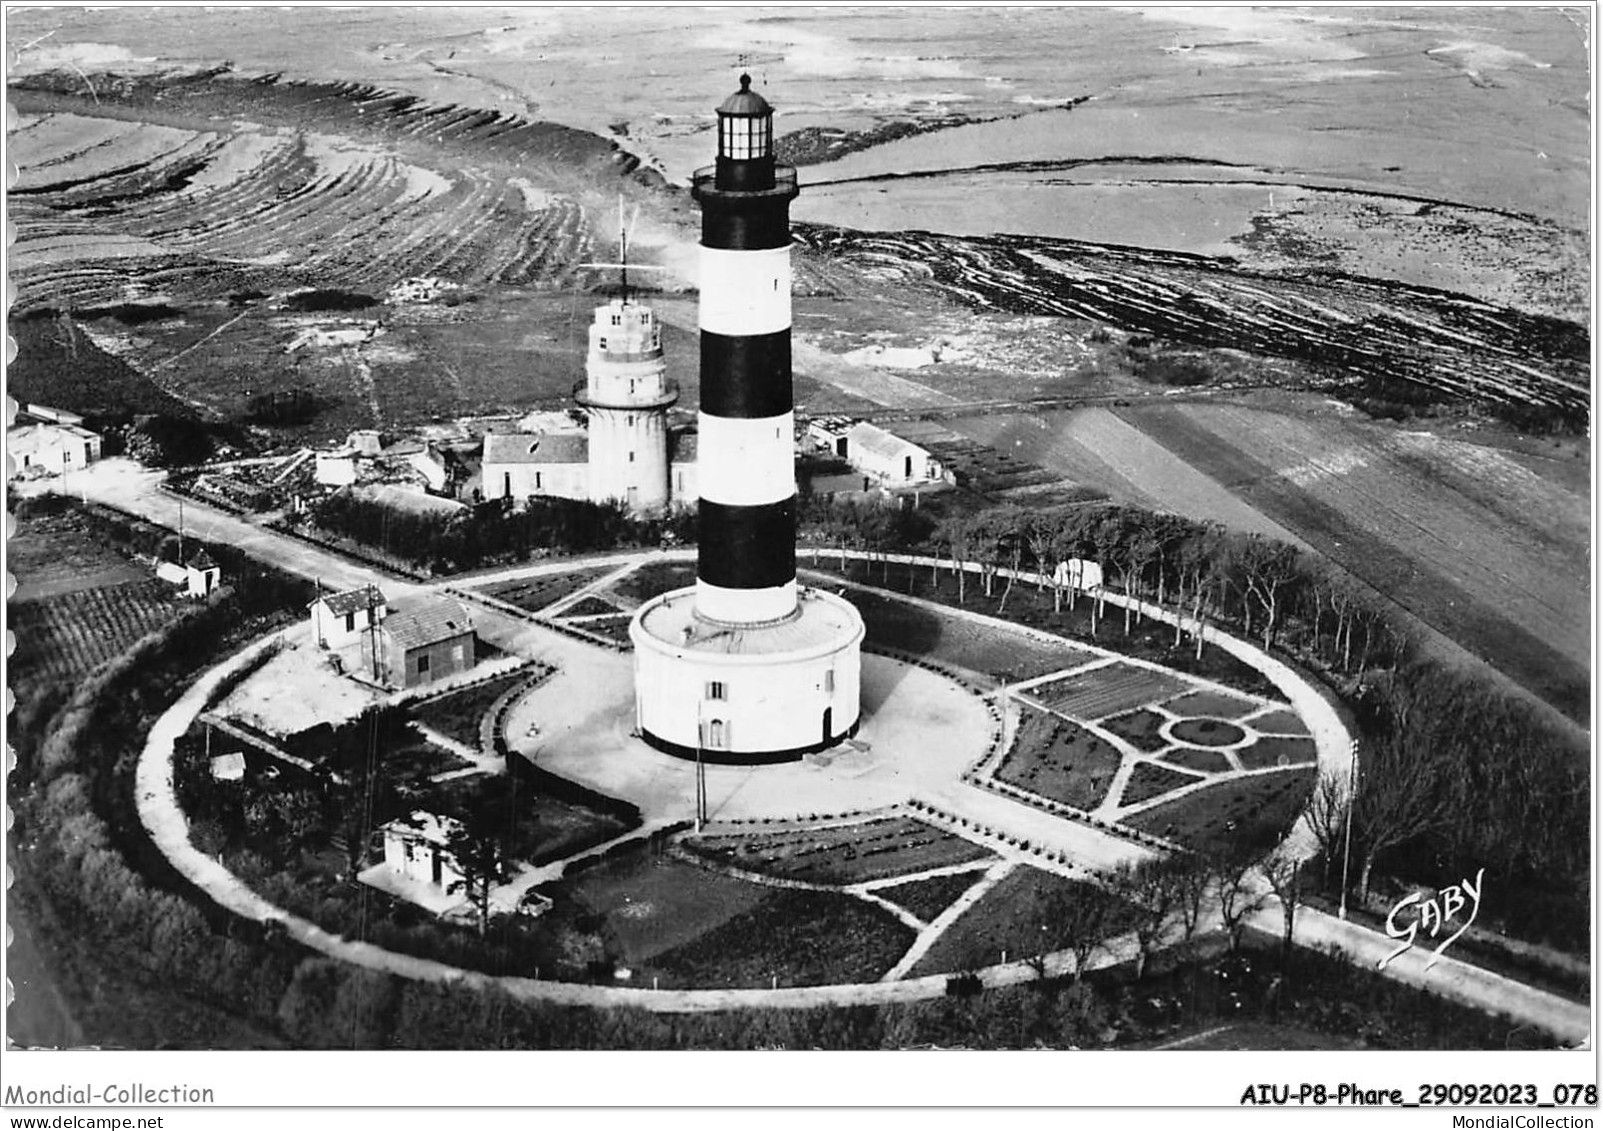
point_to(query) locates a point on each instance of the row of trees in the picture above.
(493, 532)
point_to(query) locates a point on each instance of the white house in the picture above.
(889, 459)
(51, 447)
(341, 619)
(416, 850)
(519, 465)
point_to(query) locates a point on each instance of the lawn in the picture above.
(590, 607)
(1139, 729)
(1056, 759)
(842, 854)
(1238, 813)
(1274, 750)
(790, 937)
(1280, 722)
(996, 651)
(1148, 780)
(1208, 761)
(1211, 704)
(1015, 917)
(928, 897)
(655, 578)
(535, 593)
(654, 903)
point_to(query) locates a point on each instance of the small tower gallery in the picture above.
(746, 666)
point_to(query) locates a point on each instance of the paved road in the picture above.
(122, 484)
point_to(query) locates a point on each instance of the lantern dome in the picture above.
(745, 102)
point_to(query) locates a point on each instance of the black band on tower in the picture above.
(745, 378)
(745, 224)
(746, 547)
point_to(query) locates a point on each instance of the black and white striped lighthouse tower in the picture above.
(746, 568)
(746, 666)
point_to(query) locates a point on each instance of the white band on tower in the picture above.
(745, 293)
(746, 462)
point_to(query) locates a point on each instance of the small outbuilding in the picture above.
(889, 459)
(202, 575)
(432, 642)
(341, 619)
(416, 849)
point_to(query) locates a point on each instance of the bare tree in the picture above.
(1283, 873)
(1404, 787)
(1149, 888)
(1237, 895)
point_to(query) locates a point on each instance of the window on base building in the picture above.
(716, 689)
(829, 680)
(423, 664)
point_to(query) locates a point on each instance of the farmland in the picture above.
(1462, 536)
(71, 634)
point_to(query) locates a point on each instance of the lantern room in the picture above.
(745, 141)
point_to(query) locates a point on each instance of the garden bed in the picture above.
(1017, 917)
(1149, 780)
(1056, 759)
(459, 714)
(532, 594)
(1240, 813)
(1273, 750)
(928, 897)
(1139, 729)
(842, 854)
(654, 579)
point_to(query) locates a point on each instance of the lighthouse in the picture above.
(627, 396)
(746, 666)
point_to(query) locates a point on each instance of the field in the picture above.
(1056, 759)
(52, 554)
(1252, 811)
(1013, 917)
(842, 854)
(1464, 537)
(70, 634)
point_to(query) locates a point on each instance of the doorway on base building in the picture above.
(828, 718)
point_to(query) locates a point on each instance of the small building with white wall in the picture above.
(342, 619)
(202, 575)
(890, 460)
(50, 441)
(417, 851)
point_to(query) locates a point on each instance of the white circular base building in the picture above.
(747, 694)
